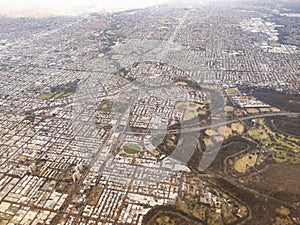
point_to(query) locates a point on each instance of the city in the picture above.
(163, 115)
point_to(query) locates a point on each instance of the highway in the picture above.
(223, 123)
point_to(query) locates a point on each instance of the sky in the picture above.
(44, 7)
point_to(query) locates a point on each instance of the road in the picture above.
(199, 128)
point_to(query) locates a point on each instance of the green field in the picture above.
(206, 102)
(132, 149)
(193, 79)
(55, 95)
(285, 149)
(182, 105)
(106, 106)
(115, 57)
(275, 44)
(232, 91)
(59, 91)
(109, 106)
(46, 96)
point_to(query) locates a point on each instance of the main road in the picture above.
(223, 123)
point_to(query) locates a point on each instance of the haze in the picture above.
(46, 7)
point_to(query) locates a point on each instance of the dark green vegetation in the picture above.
(167, 143)
(169, 215)
(286, 125)
(60, 91)
(283, 101)
(231, 146)
(109, 38)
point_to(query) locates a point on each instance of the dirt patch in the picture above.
(238, 127)
(273, 109)
(283, 211)
(264, 110)
(227, 131)
(229, 108)
(252, 111)
(94, 195)
(247, 161)
(181, 83)
(189, 115)
(192, 110)
(210, 132)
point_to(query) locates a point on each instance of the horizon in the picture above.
(18, 8)
(36, 8)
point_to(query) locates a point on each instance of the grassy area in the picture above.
(190, 205)
(242, 164)
(279, 100)
(182, 105)
(259, 135)
(46, 96)
(281, 148)
(288, 125)
(106, 106)
(193, 79)
(282, 181)
(165, 219)
(232, 91)
(68, 94)
(284, 148)
(206, 102)
(238, 127)
(275, 44)
(63, 90)
(189, 115)
(214, 218)
(55, 95)
(58, 95)
(170, 218)
(109, 106)
(132, 149)
(115, 57)
(192, 109)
